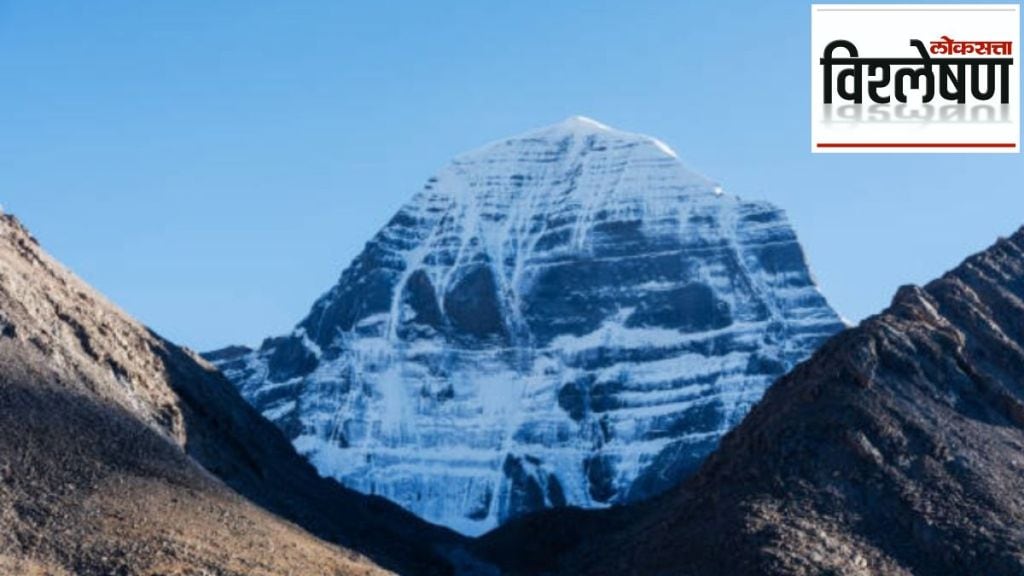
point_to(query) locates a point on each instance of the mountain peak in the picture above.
(583, 124)
(565, 317)
(577, 141)
(584, 127)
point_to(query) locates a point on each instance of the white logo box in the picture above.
(885, 31)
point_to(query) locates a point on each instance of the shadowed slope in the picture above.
(102, 424)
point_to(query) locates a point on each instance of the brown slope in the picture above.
(898, 448)
(122, 453)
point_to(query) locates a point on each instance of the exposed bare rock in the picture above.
(121, 453)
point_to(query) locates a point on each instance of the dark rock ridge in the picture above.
(898, 448)
(566, 317)
(121, 453)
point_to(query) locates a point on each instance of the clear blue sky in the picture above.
(212, 166)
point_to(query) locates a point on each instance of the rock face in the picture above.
(564, 317)
(898, 448)
(121, 453)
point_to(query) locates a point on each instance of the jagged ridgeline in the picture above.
(569, 316)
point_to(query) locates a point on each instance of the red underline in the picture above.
(916, 145)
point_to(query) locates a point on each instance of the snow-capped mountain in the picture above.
(569, 316)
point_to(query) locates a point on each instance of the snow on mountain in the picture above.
(565, 317)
